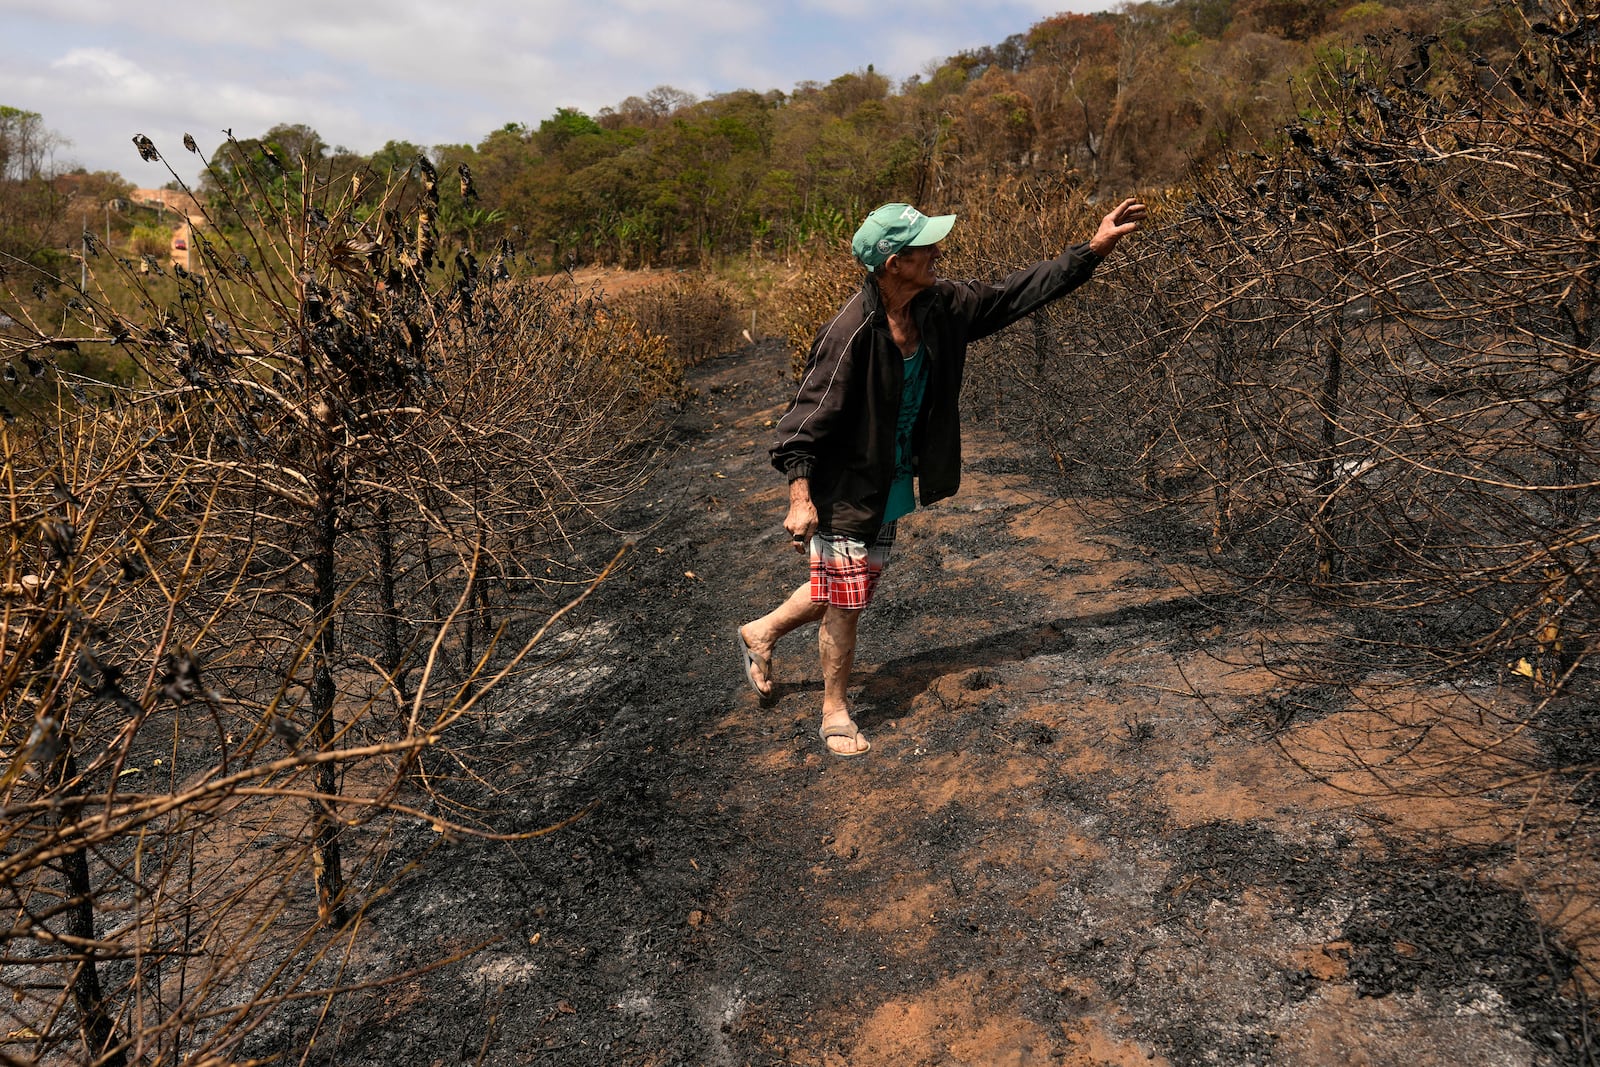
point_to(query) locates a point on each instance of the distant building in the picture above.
(173, 200)
(189, 215)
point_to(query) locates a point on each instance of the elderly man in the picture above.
(875, 427)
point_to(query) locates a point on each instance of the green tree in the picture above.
(296, 142)
(248, 174)
(32, 209)
(560, 129)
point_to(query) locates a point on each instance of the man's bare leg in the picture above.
(836, 642)
(762, 635)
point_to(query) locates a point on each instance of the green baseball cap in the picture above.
(895, 227)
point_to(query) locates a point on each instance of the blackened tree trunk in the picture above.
(1553, 657)
(99, 1033)
(1328, 416)
(1224, 368)
(393, 652)
(324, 598)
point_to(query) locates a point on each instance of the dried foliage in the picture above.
(824, 277)
(694, 315)
(1356, 374)
(254, 600)
(1359, 374)
(1371, 356)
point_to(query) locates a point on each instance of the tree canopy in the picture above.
(1107, 101)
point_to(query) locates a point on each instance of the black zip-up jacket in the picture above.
(839, 431)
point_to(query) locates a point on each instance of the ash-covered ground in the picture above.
(1091, 831)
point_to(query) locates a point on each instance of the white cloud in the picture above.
(83, 11)
(113, 97)
(853, 10)
(98, 63)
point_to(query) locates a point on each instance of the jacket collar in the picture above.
(871, 299)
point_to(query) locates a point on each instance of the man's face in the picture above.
(914, 266)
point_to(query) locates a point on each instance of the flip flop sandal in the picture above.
(851, 731)
(750, 672)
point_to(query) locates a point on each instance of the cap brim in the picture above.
(936, 229)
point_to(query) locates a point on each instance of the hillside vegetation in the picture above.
(1103, 102)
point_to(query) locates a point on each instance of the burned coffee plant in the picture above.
(1357, 374)
(259, 582)
(1364, 365)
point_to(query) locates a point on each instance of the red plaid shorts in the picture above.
(845, 570)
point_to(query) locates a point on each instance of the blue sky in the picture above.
(363, 72)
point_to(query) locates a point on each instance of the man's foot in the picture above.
(842, 736)
(757, 666)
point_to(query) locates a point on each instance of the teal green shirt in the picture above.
(903, 493)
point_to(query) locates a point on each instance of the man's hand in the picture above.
(1123, 220)
(802, 520)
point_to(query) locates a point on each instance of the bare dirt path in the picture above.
(1054, 854)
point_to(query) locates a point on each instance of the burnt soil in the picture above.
(1089, 831)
